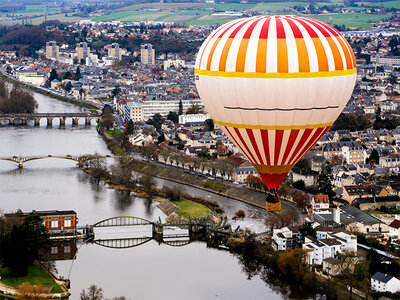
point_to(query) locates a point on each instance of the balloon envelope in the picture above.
(275, 84)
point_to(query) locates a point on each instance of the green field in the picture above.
(351, 20)
(189, 209)
(36, 276)
(198, 14)
(389, 4)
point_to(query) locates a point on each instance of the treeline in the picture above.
(352, 122)
(18, 100)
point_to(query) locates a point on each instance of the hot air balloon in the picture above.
(275, 84)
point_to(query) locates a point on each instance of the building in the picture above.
(307, 177)
(147, 54)
(387, 61)
(319, 202)
(352, 152)
(57, 220)
(193, 118)
(52, 49)
(286, 238)
(177, 63)
(114, 51)
(164, 107)
(384, 283)
(134, 111)
(82, 51)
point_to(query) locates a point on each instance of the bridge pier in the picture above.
(11, 121)
(49, 122)
(62, 121)
(158, 232)
(24, 121)
(88, 121)
(75, 121)
(20, 164)
(37, 122)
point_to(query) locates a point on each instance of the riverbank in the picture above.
(37, 281)
(36, 89)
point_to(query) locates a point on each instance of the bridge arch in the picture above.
(123, 243)
(122, 221)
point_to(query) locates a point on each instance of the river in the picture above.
(150, 271)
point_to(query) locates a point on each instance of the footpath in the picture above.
(217, 187)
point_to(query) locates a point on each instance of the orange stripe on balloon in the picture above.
(210, 56)
(304, 61)
(336, 54)
(241, 56)
(347, 55)
(261, 60)
(283, 65)
(224, 55)
(321, 55)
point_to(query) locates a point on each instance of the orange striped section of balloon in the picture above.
(275, 84)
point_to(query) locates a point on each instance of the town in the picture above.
(140, 78)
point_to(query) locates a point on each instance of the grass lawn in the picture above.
(215, 185)
(189, 209)
(113, 132)
(36, 276)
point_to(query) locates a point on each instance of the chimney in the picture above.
(336, 215)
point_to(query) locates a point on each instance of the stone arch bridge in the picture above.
(36, 117)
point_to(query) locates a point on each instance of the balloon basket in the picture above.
(275, 206)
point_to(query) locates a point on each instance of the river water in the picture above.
(149, 271)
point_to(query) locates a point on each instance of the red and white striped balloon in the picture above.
(275, 84)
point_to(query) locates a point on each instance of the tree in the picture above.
(292, 264)
(300, 185)
(78, 74)
(24, 244)
(324, 180)
(352, 272)
(68, 86)
(93, 293)
(180, 110)
(130, 127)
(166, 154)
(307, 229)
(209, 125)
(53, 75)
(194, 109)
(173, 116)
(122, 172)
(373, 158)
(301, 199)
(26, 291)
(150, 151)
(148, 184)
(115, 91)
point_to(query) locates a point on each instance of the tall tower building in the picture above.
(114, 51)
(147, 54)
(52, 49)
(82, 51)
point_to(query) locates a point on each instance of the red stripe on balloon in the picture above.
(245, 145)
(278, 144)
(235, 140)
(264, 138)
(254, 144)
(292, 139)
(303, 139)
(272, 181)
(315, 137)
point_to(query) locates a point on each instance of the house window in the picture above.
(67, 222)
(54, 250)
(54, 222)
(67, 249)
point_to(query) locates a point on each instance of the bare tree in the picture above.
(150, 151)
(93, 293)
